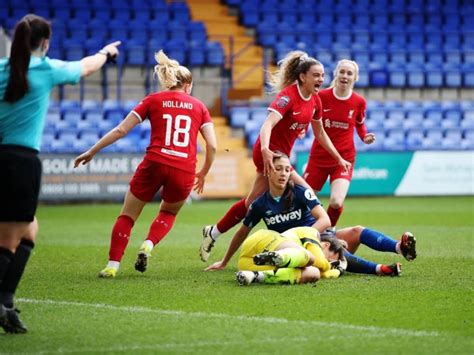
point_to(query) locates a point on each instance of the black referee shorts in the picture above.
(20, 179)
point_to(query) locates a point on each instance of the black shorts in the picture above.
(20, 180)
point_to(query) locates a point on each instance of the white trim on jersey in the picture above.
(278, 113)
(138, 116)
(342, 98)
(301, 95)
(205, 124)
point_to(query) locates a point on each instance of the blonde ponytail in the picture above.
(170, 74)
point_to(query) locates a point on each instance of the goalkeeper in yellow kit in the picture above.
(297, 255)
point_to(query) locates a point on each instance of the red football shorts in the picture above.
(317, 176)
(150, 176)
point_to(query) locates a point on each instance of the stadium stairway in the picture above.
(247, 69)
(226, 136)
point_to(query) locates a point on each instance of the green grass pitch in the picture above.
(176, 307)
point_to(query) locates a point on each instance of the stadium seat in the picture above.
(452, 139)
(378, 78)
(239, 116)
(259, 115)
(397, 78)
(414, 139)
(215, 53)
(468, 120)
(453, 78)
(197, 54)
(468, 140)
(433, 118)
(414, 119)
(394, 140)
(416, 78)
(451, 118)
(395, 119)
(433, 139)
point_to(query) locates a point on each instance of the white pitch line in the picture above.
(270, 320)
(188, 347)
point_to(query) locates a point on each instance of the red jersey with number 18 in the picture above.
(176, 119)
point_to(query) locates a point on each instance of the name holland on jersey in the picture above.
(177, 104)
(283, 217)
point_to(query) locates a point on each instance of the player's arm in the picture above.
(366, 137)
(322, 137)
(235, 244)
(209, 135)
(265, 133)
(322, 219)
(113, 135)
(92, 63)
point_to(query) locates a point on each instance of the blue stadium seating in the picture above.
(239, 116)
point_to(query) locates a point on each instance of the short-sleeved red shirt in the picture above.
(176, 119)
(340, 117)
(296, 113)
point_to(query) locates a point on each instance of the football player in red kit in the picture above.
(176, 118)
(343, 110)
(294, 108)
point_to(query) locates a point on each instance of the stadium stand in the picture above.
(398, 44)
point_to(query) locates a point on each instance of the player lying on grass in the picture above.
(292, 257)
(285, 206)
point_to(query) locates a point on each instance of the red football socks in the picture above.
(233, 216)
(334, 214)
(120, 237)
(161, 226)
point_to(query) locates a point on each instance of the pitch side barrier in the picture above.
(420, 173)
(106, 177)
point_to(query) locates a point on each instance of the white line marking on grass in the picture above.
(185, 347)
(270, 320)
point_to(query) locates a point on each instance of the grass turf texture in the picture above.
(176, 307)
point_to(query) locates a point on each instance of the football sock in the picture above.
(161, 226)
(120, 237)
(5, 258)
(113, 264)
(15, 270)
(293, 257)
(282, 276)
(233, 216)
(215, 232)
(358, 265)
(377, 241)
(334, 214)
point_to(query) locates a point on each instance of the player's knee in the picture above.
(336, 203)
(357, 229)
(32, 231)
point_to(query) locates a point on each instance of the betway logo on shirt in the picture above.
(283, 217)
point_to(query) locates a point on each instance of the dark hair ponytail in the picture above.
(29, 32)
